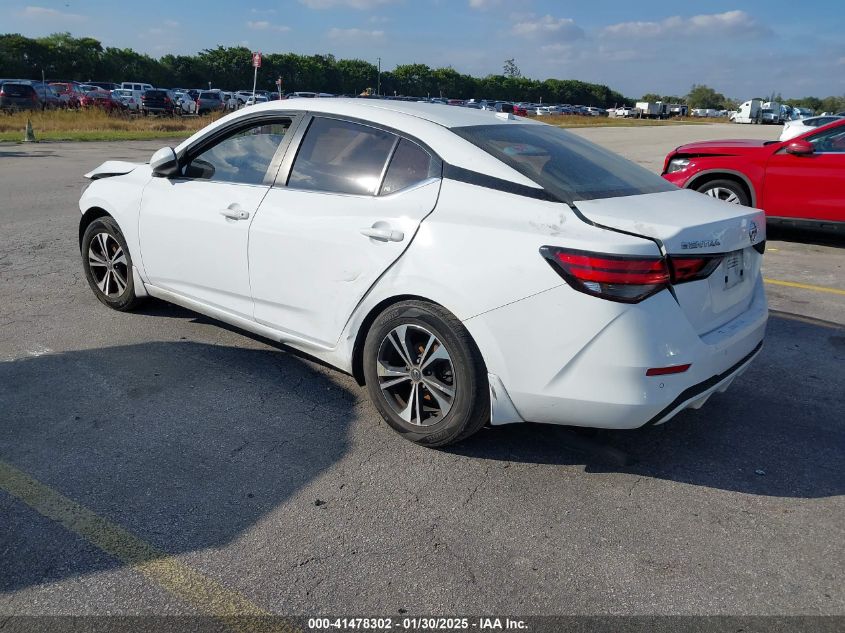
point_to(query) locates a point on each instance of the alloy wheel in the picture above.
(723, 194)
(416, 375)
(108, 264)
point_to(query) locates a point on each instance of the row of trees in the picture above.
(62, 56)
(701, 96)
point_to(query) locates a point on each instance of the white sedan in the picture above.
(791, 129)
(469, 267)
(186, 104)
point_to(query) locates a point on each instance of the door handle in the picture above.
(383, 235)
(235, 214)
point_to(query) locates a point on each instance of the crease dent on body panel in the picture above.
(353, 335)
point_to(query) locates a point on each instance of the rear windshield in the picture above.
(18, 90)
(209, 95)
(155, 93)
(565, 165)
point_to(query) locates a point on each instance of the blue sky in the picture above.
(740, 49)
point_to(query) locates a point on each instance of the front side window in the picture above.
(243, 157)
(341, 157)
(565, 165)
(409, 165)
(829, 141)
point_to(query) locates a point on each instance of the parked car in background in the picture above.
(791, 129)
(104, 85)
(136, 86)
(519, 110)
(18, 95)
(210, 101)
(70, 93)
(47, 95)
(797, 114)
(137, 89)
(158, 101)
(360, 249)
(626, 112)
(255, 100)
(797, 181)
(103, 99)
(127, 98)
(184, 103)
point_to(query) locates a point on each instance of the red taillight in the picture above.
(167, 99)
(666, 371)
(692, 268)
(628, 279)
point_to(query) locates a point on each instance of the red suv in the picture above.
(798, 182)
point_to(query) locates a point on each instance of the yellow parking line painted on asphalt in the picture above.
(208, 596)
(795, 284)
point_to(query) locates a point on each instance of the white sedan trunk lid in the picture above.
(687, 224)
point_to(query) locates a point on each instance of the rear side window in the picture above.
(565, 165)
(341, 157)
(409, 165)
(18, 90)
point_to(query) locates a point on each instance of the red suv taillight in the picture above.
(626, 278)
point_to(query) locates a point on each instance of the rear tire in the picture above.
(425, 374)
(108, 265)
(726, 191)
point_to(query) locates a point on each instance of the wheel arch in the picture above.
(367, 322)
(93, 213)
(357, 357)
(724, 174)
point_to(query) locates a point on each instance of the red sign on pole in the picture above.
(256, 60)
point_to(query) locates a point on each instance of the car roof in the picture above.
(430, 123)
(446, 116)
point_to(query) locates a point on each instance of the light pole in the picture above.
(378, 81)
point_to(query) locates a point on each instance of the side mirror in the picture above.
(164, 163)
(800, 148)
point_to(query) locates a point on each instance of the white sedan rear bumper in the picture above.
(562, 357)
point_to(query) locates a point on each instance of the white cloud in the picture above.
(354, 34)
(171, 24)
(45, 13)
(264, 25)
(483, 4)
(548, 28)
(712, 24)
(262, 11)
(349, 4)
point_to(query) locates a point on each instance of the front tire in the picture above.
(425, 374)
(726, 191)
(108, 265)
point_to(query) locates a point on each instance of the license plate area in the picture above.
(733, 268)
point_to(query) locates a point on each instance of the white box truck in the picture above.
(750, 111)
(650, 110)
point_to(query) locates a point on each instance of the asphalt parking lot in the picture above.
(160, 463)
